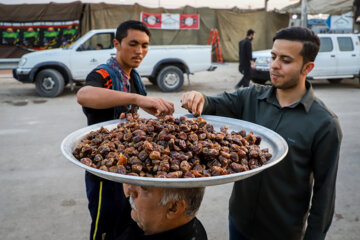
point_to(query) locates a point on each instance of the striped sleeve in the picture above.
(99, 78)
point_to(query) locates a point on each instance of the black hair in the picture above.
(310, 41)
(122, 30)
(250, 32)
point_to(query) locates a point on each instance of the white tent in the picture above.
(333, 7)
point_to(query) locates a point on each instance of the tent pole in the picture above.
(303, 13)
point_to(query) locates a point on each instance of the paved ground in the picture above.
(42, 195)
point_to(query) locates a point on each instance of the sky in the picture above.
(244, 4)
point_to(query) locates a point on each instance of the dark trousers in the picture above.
(234, 234)
(108, 206)
(245, 81)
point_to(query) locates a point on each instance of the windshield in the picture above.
(73, 44)
(98, 41)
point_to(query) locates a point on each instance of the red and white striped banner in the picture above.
(170, 21)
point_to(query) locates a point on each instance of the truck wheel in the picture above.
(49, 83)
(153, 80)
(170, 79)
(335, 80)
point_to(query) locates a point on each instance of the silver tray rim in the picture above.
(272, 138)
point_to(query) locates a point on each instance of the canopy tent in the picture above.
(60, 24)
(171, 4)
(22, 27)
(333, 7)
(40, 12)
(232, 25)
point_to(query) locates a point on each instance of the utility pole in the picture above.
(266, 5)
(303, 13)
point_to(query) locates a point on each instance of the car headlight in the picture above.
(263, 61)
(22, 61)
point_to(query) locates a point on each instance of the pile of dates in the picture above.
(171, 148)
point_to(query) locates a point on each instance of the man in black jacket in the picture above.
(245, 59)
(357, 11)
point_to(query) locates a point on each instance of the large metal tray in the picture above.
(276, 144)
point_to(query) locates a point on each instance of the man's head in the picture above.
(293, 55)
(250, 34)
(157, 210)
(131, 43)
(99, 46)
(309, 40)
(122, 30)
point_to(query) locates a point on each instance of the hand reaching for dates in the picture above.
(194, 102)
(158, 107)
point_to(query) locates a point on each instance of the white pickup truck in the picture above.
(164, 66)
(338, 58)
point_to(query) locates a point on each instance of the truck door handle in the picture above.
(93, 60)
(332, 55)
(354, 55)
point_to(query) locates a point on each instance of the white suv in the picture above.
(338, 58)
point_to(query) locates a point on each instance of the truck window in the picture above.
(345, 44)
(98, 42)
(326, 44)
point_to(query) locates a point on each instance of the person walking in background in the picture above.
(294, 199)
(111, 89)
(245, 59)
(357, 10)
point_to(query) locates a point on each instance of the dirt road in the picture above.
(42, 195)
